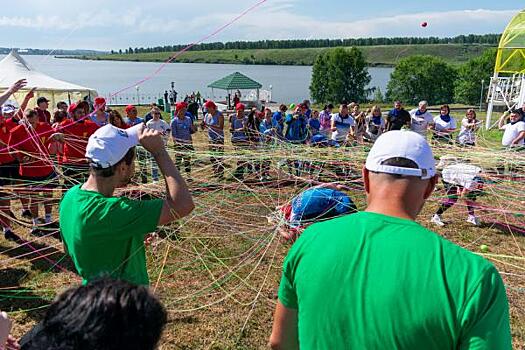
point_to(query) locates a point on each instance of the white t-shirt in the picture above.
(511, 132)
(343, 127)
(161, 126)
(461, 174)
(373, 131)
(442, 125)
(419, 123)
(467, 134)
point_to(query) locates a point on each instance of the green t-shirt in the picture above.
(105, 235)
(370, 281)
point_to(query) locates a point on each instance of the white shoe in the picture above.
(436, 219)
(473, 220)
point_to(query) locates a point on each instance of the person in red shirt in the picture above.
(8, 164)
(42, 104)
(77, 131)
(8, 176)
(28, 143)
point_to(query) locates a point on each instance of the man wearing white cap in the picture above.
(378, 280)
(104, 234)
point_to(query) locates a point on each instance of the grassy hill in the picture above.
(385, 55)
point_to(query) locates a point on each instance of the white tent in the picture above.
(13, 68)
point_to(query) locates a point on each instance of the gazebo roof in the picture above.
(235, 81)
(511, 49)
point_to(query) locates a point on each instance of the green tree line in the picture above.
(341, 75)
(488, 39)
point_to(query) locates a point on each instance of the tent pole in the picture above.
(69, 97)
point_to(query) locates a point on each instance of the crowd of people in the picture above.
(405, 287)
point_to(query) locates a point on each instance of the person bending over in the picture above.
(461, 180)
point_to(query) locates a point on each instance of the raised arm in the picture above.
(503, 120)
(20, 84)
(178, 202)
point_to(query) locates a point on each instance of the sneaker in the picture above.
(436, 219)
(473, 220)
(11, 236)
(26, 214)
(35, 231)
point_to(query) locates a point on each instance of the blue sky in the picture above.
(108, 24)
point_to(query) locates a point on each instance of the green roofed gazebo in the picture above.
(236, 81)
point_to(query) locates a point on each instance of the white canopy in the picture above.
(13, 68)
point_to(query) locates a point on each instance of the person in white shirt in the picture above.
(444, 125)
(469, 125)
(461, 180)
(375, 124)
(164, 128)
(514, 134)
(342, 125)
(421, 119)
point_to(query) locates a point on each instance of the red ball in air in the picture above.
(424, 24)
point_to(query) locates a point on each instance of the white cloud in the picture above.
(164, 24)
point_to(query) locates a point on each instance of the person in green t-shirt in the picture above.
(378, 280)
(103, 234)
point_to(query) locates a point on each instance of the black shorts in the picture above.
(9, 173)
(452, 191)
(40, 183)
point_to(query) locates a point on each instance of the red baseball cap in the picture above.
(99, 102)
(181, 105)
(209, 104)
(240, 106)
(129, 108)
(72, 107)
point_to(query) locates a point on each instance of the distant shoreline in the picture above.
(376, 56)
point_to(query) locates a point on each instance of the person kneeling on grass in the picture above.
(461, 181)
(313, 205)
(104, 234)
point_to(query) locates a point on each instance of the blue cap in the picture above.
(320, 203)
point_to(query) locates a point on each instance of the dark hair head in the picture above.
(283, 108)
(61, 103)
(110, 171)
(30, 113)
(399, 162)
(59, 116)
(105, 315)
(113, 115)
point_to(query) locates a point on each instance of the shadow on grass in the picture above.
(41, 256)
(507, 229)
(14, 298)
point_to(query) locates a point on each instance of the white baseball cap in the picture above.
(402, 144)
(109, 144)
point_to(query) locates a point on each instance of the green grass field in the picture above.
(385, 55)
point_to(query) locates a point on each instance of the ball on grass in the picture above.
(484, 248)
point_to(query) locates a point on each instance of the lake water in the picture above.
(289, 83)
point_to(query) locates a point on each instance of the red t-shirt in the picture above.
(76, 135)
(11, 123)
(33, 144)
(43, 116)
(5, 157)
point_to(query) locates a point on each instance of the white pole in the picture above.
(493, 85)
(481, 95)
